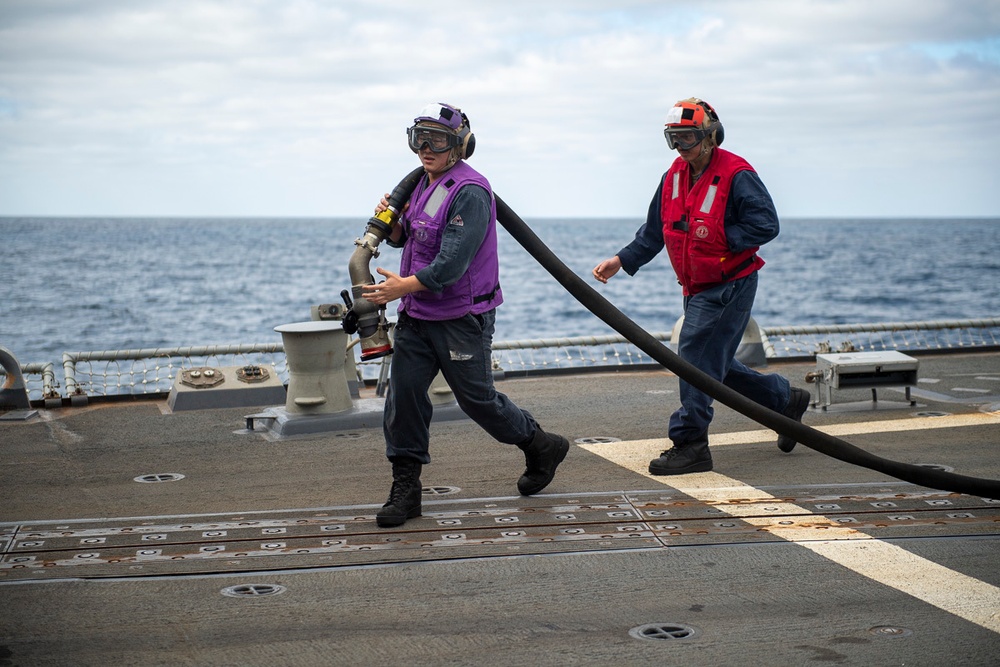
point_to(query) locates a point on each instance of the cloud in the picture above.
(298, 108)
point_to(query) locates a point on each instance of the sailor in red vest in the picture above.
(448, 287)
(712, 213)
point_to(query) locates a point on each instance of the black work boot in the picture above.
(682, 458)
(542, 454)
(404, 496)
(798, 403)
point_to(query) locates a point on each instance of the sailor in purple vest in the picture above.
(711, 212)
(448, 287)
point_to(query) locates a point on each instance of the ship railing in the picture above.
(46, 372)
(914, 336)
(578, 352)
(153, 370)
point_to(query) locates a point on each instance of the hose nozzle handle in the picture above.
(350, 318)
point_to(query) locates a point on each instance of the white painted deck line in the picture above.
(956, 593)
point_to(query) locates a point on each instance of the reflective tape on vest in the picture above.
(436, 199)
(706, 204)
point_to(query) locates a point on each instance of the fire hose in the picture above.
(369, 322)
(806, 435)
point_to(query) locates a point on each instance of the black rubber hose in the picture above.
(810, 437)
(401, 193)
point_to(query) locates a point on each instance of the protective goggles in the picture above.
(438, 140)
(684, 138)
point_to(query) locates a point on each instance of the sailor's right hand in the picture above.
(382, 205)
(607, 268)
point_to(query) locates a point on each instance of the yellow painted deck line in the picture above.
(956, 593)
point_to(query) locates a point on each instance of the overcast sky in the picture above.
(847, 108)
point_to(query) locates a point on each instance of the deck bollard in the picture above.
(14, 392)
(317, 383)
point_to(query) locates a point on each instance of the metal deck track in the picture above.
(476, 528)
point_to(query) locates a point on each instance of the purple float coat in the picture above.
(478, 289)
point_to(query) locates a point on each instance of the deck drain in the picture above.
(596, 440)
(348, 436)
(159, 477)
(664, 631)
(439, 490)
(932, 413)
(890, 631)
(252, 590)
(936, 466)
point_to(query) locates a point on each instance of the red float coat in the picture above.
(694, 231)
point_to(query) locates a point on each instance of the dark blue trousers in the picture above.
(714, 321)
(462, 350)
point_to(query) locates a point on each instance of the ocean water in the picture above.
(82, 284)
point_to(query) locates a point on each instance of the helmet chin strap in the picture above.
(705, 149)
(707, 146)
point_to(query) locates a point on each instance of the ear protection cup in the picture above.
(467, 137)
(718, 132)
